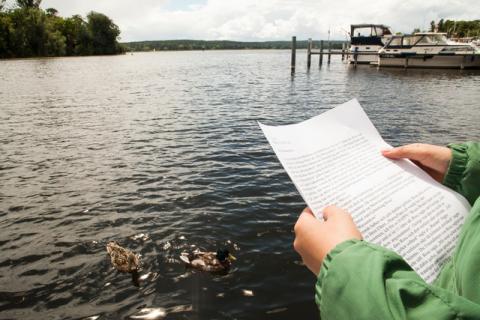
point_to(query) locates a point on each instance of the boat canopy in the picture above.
(418, 39)
(369, 30)
(369, 34)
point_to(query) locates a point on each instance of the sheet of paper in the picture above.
(335, 159)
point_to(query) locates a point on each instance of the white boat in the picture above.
(366, 40)
(428, 50)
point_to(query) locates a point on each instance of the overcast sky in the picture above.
(262, 20)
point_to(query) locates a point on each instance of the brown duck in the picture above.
(124, 260)
(219, 261)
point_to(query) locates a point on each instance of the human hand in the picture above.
(434, 160)
(314, 238)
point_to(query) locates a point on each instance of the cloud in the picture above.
(263, 19)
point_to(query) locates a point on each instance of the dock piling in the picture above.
(294, 52)
(309, 53)
(329, 51)
(320, 59)
(355, 57)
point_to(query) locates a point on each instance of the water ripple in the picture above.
(162, 153)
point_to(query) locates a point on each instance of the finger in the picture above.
(307, 210)
(330, 211)
(415, 151)
(305, 219)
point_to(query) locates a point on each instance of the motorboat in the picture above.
(428, 50)
(366, 40)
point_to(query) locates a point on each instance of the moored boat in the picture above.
(367, 40)
(428, 50)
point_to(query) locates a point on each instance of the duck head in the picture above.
(224, 256)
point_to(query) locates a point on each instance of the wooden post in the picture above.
(355, 57)
(309, 53)
(406, 62)
(343, 51)
(329, 51)
(294, 52)
(320, 59)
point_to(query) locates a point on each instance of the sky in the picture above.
(263, 20)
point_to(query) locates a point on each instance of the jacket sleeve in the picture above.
(359, 280)
(463, 173)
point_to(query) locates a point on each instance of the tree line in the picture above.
(26, 30)
(166, 45)
(457, 29)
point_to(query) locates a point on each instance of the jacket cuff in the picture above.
(326, 265)
(457, 166)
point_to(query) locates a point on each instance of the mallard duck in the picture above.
(219, 261)
(124, 260)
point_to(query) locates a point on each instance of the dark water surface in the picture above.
(161, 152)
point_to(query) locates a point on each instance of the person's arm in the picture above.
(463, 174)
(359, 280)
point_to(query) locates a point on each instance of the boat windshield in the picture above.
(362, 32)
(419, 39)
(369, 30)
(432, 39)
(409, 41)
(382, 31)
(396, 41)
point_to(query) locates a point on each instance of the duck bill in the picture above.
(231, 257)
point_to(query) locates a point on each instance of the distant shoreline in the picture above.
(144, 51)
(200, 45)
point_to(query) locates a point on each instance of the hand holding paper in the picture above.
(335, 159)
(432, 159)
(314, 239)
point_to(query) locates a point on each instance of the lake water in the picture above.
(162, 153)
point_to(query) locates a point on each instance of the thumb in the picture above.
(305, 220)
(330, 212)
(415, 151)
(308, 211)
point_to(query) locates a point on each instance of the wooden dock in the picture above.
(352, 56)
(326, 49)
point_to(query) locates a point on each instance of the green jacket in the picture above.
(359, 280)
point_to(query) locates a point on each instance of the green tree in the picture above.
(460, 28)
(73, 28)
(29, 3)
(103, 32)
(36, 34)
(6, 32)
(55, 41)
(441, 26)
(55, 44)
(51, 11)
(28, 36)
(432, 26)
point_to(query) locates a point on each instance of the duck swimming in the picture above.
(219, 261)
(124, 260)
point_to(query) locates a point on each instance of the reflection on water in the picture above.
(161, 152)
